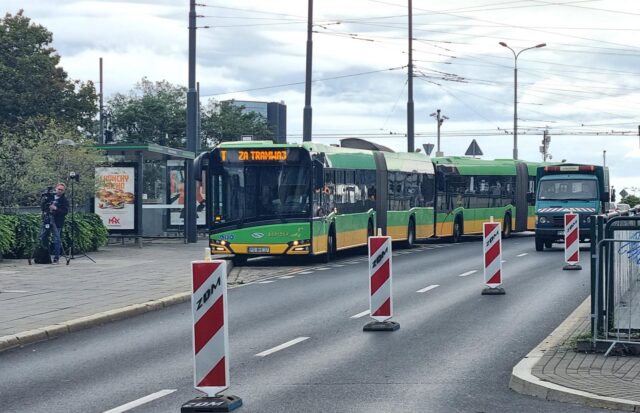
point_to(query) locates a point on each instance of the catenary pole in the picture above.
(410, 132)
(306, 127)
(190, 229)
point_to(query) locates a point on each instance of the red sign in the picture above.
(492, 246)
(571, 239)
(210, 332)
(380, 303)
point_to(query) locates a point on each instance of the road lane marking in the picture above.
(522, 255)
(286, 277)
(282, 346)
(323, 268)
(140, 401)
(362, 314)
(266, 282)
(425, 289)
(464, 274)
(306, 272)
(13, 291)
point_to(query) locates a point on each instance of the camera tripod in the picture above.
(40, 254)
(68, 257)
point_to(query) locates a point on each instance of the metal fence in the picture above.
(615, 281)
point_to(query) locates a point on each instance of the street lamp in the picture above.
(440, 120)
(515, 93)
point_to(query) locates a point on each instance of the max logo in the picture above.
(207, 294)
(114, 221)
(379, 258)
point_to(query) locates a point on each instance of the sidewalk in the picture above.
(40, 302)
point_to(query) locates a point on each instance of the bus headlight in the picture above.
(543, 220)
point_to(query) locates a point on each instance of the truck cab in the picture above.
(561, 189)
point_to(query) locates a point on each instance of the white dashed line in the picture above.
(464, 274)
(337, 265)
(362, 314)
(13, 291)
(431, 287)
(140, 401)
(323, 269)
(266, 282)
(282, 346)
(306, 272)
(286, 277)
(521, 255)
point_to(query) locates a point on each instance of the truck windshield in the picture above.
(574, 189)
(255, 192)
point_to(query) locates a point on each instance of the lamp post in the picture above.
(440, 120)
(515, 92)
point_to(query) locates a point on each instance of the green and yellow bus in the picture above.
(314, 199)
(471, 191)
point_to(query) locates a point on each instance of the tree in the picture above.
(225, 121)
(152, 112)
(26, 171)
(631, 200)
(32, 86)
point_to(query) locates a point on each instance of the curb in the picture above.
(82, 323)
(524, 382)
(56, 330)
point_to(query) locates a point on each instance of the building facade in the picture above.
(274, 112)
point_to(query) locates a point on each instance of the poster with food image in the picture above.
(115, 197)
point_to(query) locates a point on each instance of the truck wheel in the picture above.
(548, 244)
(539, 244)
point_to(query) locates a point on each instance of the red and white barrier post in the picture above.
(571, 241)
(210, 338)
(492, 248)
(380, 297)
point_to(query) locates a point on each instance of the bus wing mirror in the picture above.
(200, 165)
(318, 175)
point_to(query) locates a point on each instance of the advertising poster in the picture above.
(176, 195)
(115, 197)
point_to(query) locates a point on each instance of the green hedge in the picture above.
(19, 233)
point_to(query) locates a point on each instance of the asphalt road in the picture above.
(453, 353)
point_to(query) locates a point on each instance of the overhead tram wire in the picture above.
(302, 82)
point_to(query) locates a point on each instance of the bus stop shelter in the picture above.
(140, 190)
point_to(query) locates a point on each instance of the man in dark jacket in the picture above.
(53, 220)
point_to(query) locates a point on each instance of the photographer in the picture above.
(54, 209)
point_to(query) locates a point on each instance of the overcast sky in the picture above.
(584, 86)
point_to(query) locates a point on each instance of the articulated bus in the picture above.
(314, 199)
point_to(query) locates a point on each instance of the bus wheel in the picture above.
(331, 247)
(548, 244)
(539, 244)
(411, 235)
(506, 230)
(457, 231)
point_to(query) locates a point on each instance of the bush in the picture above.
(7, 233)
(19, 233)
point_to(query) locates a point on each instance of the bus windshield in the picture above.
(257, 192)
(573, 189)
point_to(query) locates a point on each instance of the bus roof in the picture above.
(474, 166)
(349, 158)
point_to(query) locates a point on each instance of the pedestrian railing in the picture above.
(615, 281)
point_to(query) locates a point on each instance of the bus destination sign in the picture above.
(253, 155)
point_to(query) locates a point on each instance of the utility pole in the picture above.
(306, 116)
(546, 140)
(190, 228)
(410, 133)
(440, 120)
(101, 137)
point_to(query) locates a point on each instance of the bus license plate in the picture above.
(258, 250)
(561, 233)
